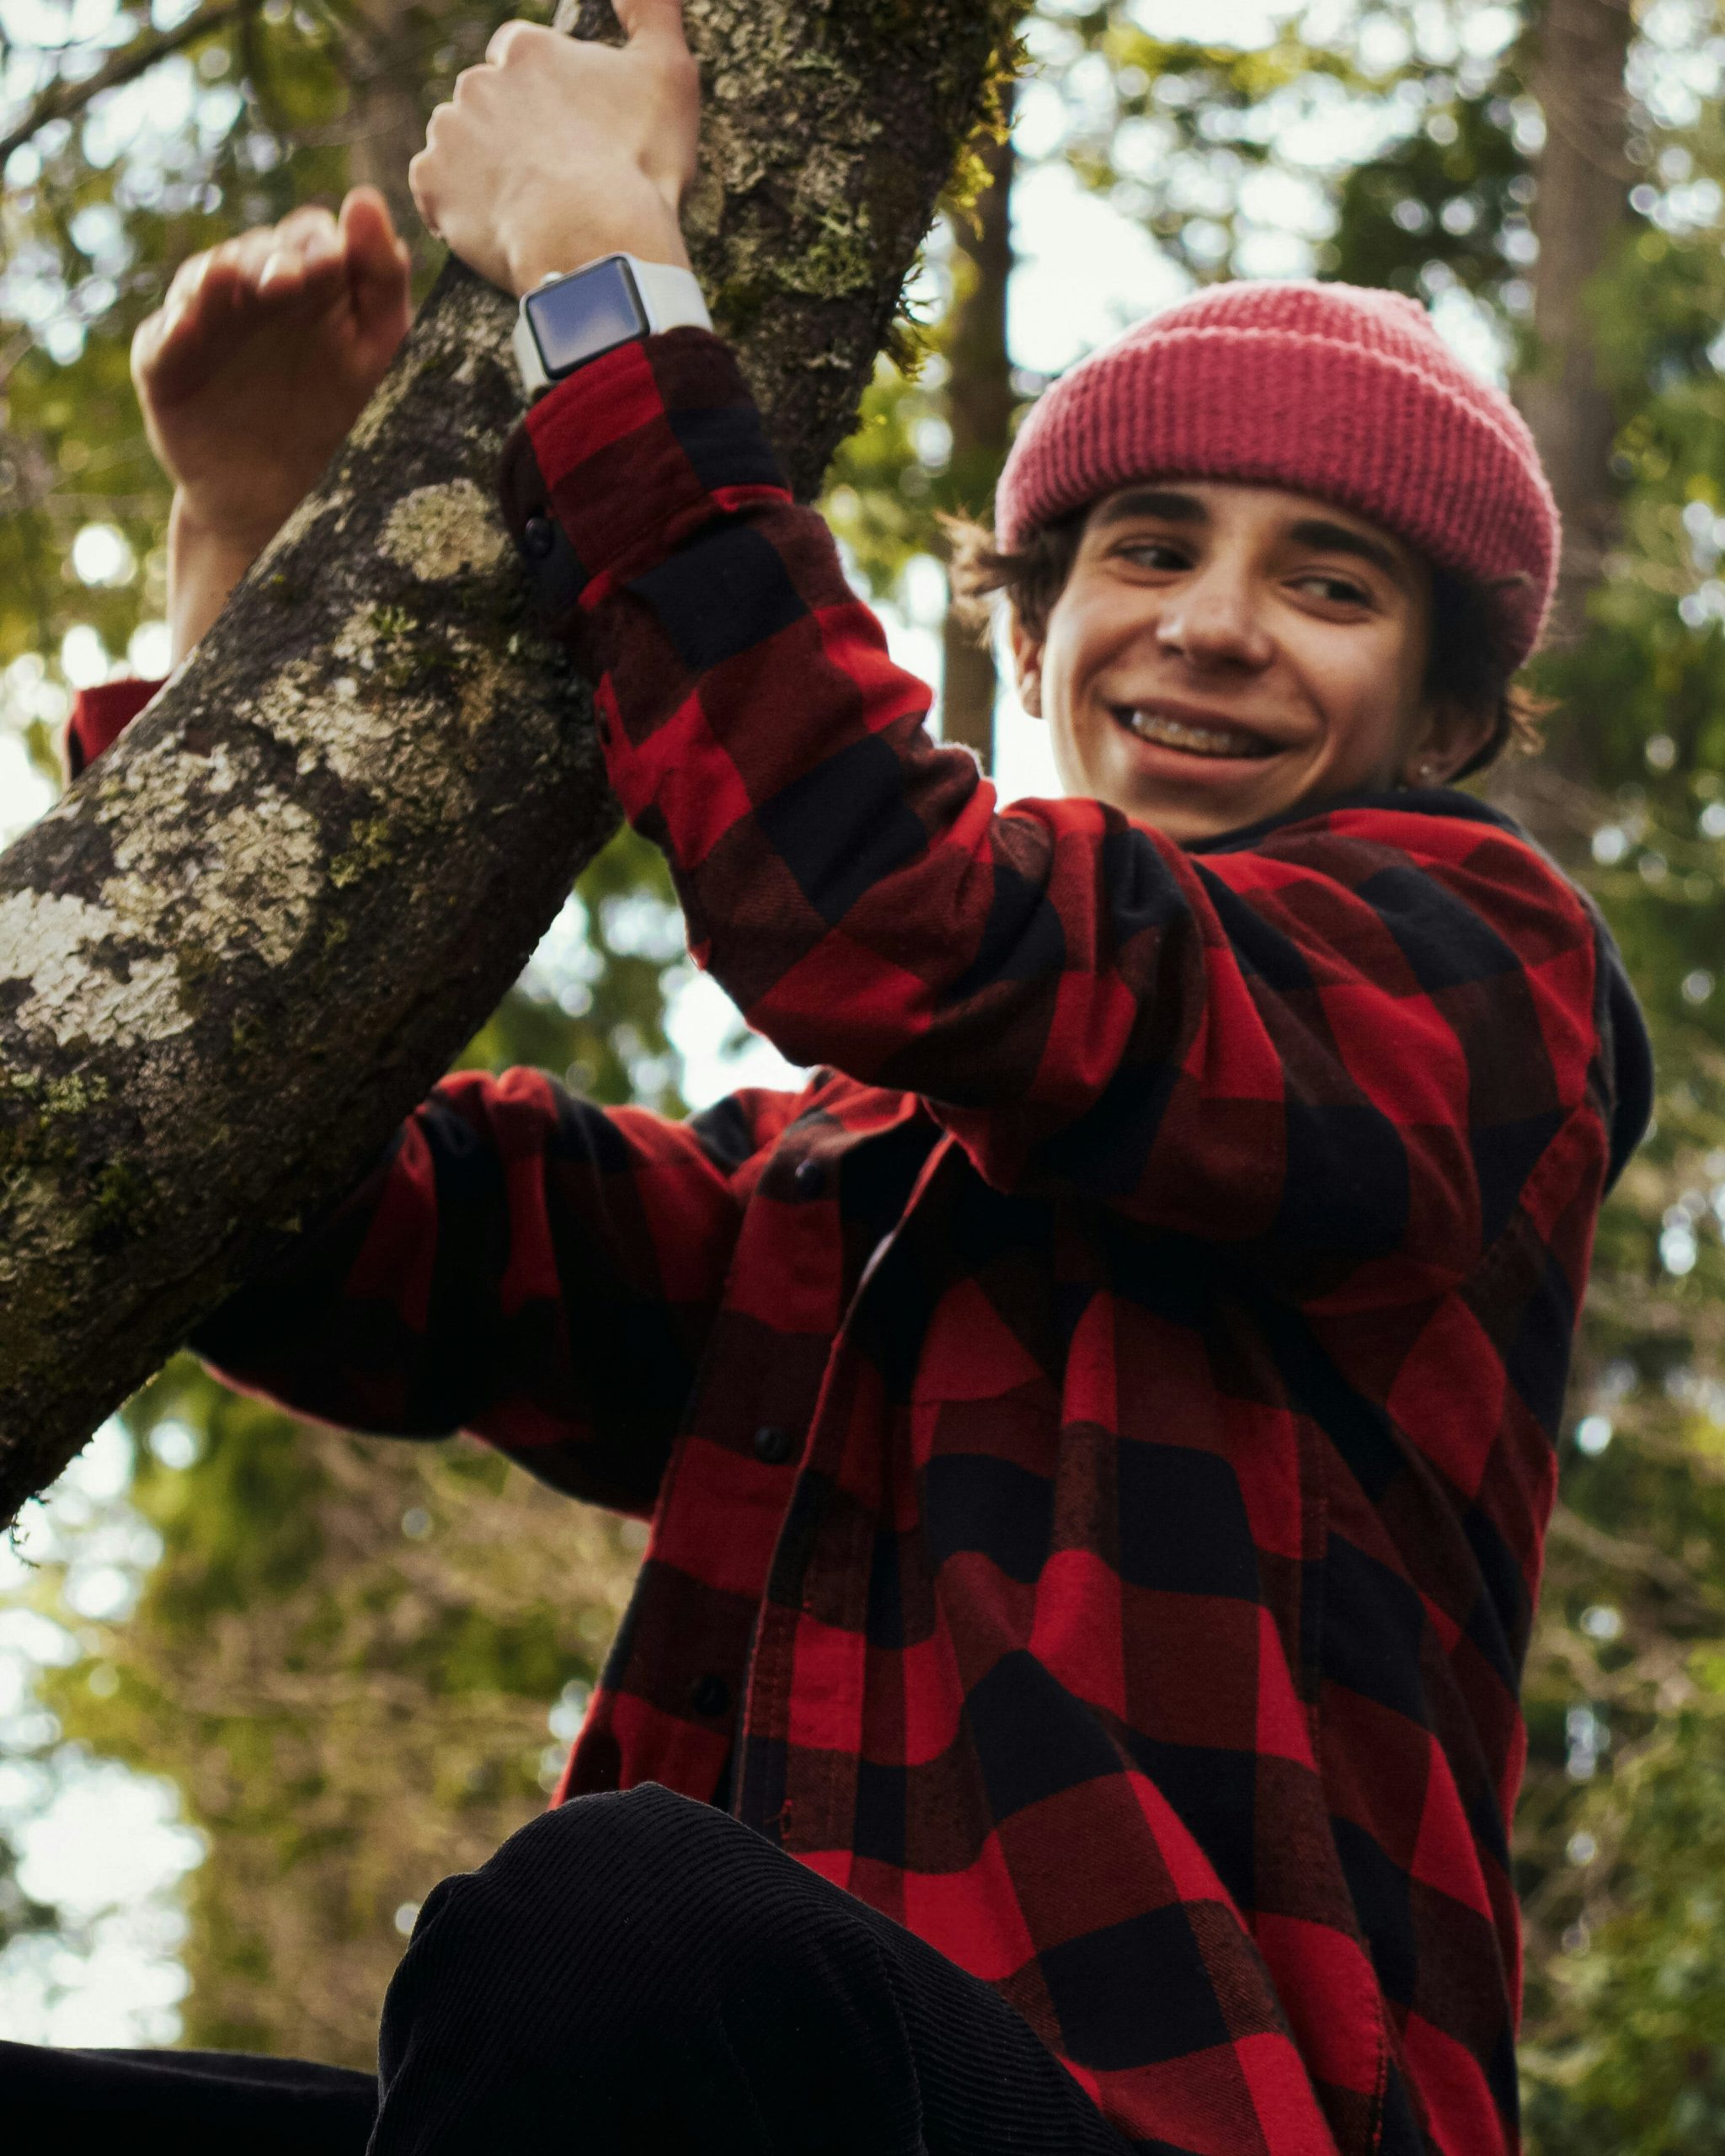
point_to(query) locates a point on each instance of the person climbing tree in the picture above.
(1098, 1435)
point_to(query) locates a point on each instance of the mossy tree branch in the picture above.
(243, 947)
(65, 97)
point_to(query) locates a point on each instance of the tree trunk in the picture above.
(386, 128)
(1580, 50)
(1578, 217)
(239, 951)
(979, 403)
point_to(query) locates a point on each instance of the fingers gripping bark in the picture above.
(556, 152)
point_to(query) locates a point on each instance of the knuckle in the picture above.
(517, 37)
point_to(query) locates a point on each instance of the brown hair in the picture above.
(1465, 663)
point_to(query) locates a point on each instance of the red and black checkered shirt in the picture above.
(1098, 1435)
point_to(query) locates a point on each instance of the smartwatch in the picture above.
(571, 320)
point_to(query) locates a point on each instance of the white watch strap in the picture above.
(671, 296)
(674, 299)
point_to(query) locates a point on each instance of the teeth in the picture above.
(1199, 740)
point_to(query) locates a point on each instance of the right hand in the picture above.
(558, 151)
(264, 353)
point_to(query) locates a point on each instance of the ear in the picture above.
(1447, 735)
(1027, 666)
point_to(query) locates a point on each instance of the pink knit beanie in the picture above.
(1325, 389)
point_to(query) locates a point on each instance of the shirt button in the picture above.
(537, 539)
(772, 1445)
(809, 1177)
(711, 1696)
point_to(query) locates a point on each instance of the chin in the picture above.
(1187, 805)
(1186, 822)
(1186, 829)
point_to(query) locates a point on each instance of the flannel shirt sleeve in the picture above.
(1353, 1041)
(522, 1265)
(98, 717)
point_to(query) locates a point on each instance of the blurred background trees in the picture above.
(352, 1662)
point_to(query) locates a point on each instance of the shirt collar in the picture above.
(1401, 800)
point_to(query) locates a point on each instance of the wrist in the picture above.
(197, 532)
(538, 256)
(206, 558)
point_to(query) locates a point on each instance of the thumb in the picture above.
(376, 261)
(369, 232)
(146, 341)
(652, 22)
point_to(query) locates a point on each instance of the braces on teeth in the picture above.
(1154, 726)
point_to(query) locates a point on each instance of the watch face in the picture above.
(583, 316)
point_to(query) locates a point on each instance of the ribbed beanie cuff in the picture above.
(1328, 390)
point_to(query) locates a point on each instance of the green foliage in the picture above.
(883, 497)
(1630, 2060)
(1185, 123)
(1457, 186)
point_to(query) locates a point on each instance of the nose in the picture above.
(1212, 622)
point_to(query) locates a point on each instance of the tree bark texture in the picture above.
(242, 947)
(979, 402)
(1578, 214)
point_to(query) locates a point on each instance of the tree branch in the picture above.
(60, 100)
(240, 950)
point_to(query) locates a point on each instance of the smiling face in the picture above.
(1220, 654)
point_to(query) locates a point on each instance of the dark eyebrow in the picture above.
(1166, 504)
(1341, 539)
(1169, 505)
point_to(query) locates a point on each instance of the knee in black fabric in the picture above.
(609, 1886)
(643, 1957)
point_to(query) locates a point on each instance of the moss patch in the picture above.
(39, 1118)
(122, 1206)
(370, 851)
(841, 261)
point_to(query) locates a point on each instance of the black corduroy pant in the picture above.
(631, 1975)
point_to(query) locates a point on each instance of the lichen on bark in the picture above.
(236, 953)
